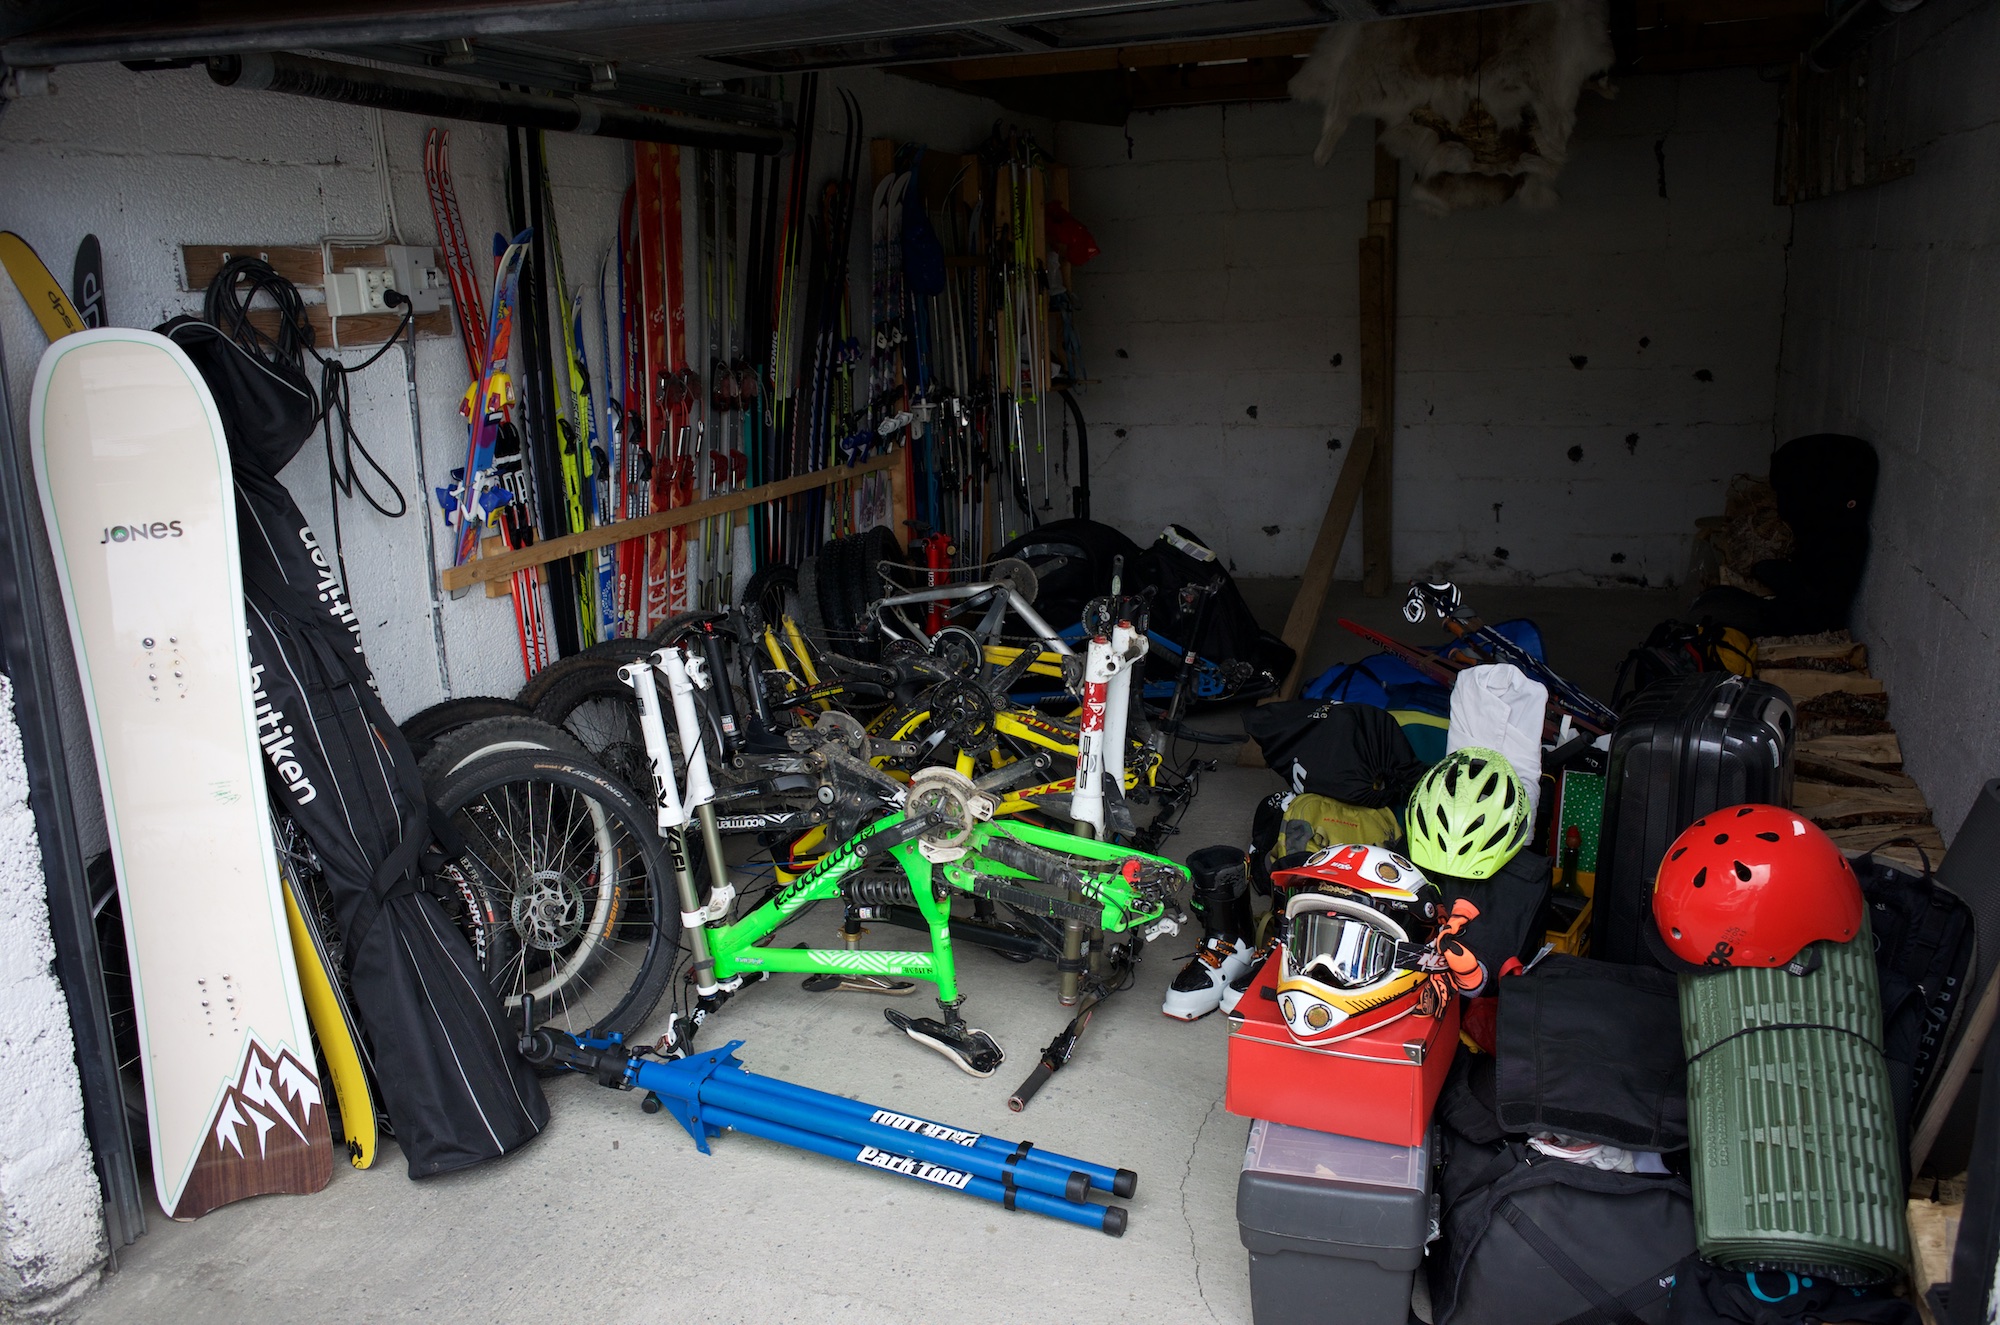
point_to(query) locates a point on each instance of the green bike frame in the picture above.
(731, 950)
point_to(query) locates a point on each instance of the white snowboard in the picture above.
(141, 511)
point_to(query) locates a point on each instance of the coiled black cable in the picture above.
(227, 304)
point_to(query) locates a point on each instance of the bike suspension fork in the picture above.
(1087, 799)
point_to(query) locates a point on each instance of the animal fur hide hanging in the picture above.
(1479, 103)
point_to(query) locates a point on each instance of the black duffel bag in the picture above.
(1592, 1050)
(1532, 1240)
(441, 1045)
(1352, 752)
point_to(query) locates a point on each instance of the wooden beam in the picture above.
(1378, 375)
(303, 265)
(1303, 620)
(554, 549)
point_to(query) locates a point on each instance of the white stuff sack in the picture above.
(1501, 708)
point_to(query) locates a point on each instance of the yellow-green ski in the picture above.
(39, 287)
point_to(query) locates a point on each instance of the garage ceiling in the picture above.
(1090, 61)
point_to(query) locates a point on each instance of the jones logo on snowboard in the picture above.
(125, 533)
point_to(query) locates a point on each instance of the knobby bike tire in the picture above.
(422, 728)
(569, 866)
(618, 651)
(493, 736)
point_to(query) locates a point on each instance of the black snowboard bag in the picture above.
(1533, 1240)
(1684, 747)
(441, 1045)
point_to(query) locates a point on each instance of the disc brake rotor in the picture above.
(548, 913)
(1017, 575)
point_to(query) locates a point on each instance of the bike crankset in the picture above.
(960, 805)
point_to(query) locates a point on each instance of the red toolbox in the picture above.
(1378, 1086)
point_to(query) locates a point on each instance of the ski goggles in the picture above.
(1341, 951)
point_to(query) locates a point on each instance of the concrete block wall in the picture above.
(151, 162)
(1890, 334)
(1220, 326)
(51, 1208)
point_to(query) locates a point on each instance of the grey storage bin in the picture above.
(1335, 1226)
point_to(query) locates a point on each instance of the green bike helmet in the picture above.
(1468, 814)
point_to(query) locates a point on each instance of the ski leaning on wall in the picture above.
(146, 552)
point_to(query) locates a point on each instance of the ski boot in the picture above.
(1240, 984)
(1221, 901)
(971, 1051)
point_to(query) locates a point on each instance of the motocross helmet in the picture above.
(1359, 922)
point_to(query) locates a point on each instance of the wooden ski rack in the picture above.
(500, 566)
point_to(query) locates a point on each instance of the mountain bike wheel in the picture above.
(569, 887)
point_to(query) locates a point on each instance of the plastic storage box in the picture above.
(1335, 1226)
(1379, 1085)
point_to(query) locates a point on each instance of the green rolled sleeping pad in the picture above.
(1792, 1129)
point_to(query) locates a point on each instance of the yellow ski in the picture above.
(39, 287)
(333, 1027)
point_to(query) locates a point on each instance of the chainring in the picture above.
(958, 651)
(966, 713)
(946, 791)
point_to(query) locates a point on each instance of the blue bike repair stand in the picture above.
(710, 1093)
(676, 1086)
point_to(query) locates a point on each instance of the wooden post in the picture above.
(1378, 377)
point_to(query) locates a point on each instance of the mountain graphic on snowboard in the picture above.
(268, 1133)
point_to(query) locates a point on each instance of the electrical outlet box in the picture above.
(412, 272)
(416, 274)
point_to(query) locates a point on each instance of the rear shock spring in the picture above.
(877, 890)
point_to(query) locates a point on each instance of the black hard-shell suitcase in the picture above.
(1685, 746)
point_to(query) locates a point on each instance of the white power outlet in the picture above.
(412, 272)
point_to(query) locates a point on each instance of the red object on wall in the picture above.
(1379, 1086)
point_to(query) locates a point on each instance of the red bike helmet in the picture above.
(1752, 885)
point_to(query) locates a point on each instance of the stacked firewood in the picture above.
(1850, 778)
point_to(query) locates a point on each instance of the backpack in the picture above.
(1229, 632)
(1924, 951)
(1352, 752)
(1532, 1240)
(1681, 648)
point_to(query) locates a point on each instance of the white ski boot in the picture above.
(1220, 899)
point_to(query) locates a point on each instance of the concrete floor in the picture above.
(613, 1213)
